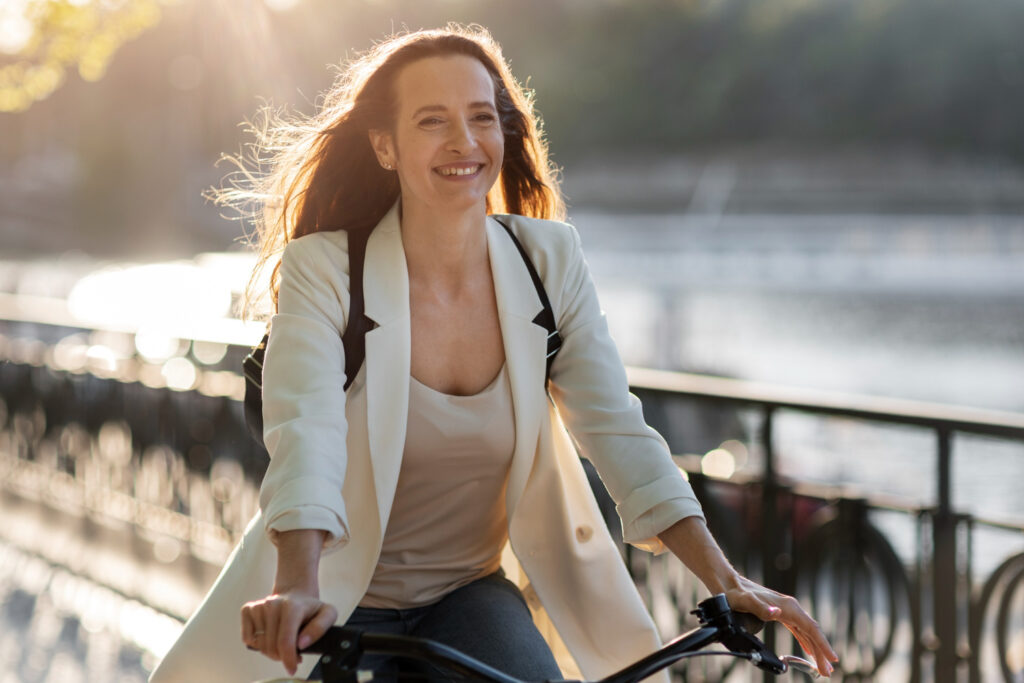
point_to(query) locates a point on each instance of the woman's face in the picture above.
(447, 145)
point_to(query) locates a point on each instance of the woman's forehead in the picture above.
(449, 81)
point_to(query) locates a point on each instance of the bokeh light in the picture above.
(718, 464)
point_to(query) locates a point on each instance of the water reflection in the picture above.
(57, 626)
(150, 294)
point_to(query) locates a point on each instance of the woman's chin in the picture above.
(459, 200)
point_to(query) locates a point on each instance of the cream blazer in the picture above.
(335, 458)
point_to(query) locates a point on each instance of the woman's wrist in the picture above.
(690, 541)
(298, 561)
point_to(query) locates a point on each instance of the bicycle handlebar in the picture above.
(343, 647)
(736, 632)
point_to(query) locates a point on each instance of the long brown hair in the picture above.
(322, 173)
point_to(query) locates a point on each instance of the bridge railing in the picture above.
(912, 611)
(145, 428)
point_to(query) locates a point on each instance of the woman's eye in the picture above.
(430, 121)
(485, 118)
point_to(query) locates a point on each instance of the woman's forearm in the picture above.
(298, 561)
(690, 541)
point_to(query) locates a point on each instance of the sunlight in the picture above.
(718, 464)
(52, 35)
(160, 293)
(180, 374)
(15, 28)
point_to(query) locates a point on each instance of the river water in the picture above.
(918, 307)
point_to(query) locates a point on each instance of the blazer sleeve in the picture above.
(304, 425)
(591, 392)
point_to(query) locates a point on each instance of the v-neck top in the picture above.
(448, 522)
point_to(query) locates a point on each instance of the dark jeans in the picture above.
(487, 619)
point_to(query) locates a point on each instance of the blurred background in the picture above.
(801, 195)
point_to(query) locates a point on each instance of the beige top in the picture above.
(448, 523)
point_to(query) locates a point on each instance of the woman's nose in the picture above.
(461, 138)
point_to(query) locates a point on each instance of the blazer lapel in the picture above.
(525, 345)
(388, 354)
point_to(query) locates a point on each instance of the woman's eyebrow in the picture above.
(428, 108)
(482, 104)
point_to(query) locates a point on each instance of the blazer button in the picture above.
(584, 533)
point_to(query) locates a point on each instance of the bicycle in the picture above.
(342, 648)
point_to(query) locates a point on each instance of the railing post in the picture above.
(769, 519)
(945, 591)
(769, 502)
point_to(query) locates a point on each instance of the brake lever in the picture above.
(801, 664)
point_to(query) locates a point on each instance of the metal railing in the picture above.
(88, 424)
(949, 611)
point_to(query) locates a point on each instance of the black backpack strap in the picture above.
(252, 369)
(546, 318)
(353, 339)
(354, 336)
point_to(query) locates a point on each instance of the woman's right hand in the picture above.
(281, 624)
(292, 616)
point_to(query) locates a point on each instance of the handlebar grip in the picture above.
(337, 638)
(750, 623)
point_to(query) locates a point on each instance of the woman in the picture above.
(440, 495)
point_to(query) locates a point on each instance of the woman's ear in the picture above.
(383, 147)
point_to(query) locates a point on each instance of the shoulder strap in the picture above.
(252, 369)
(546, 318)
(353, 339)
(354, 336)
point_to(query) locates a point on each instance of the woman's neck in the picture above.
(444, 249)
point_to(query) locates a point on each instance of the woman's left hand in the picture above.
(690, 541)
(769, 605)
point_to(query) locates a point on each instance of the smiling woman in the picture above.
(325, 176)
(429, 483)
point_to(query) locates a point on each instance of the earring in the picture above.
(386, 165)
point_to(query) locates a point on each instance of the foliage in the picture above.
(63, 33)
(657, 75)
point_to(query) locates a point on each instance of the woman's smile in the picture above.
(459, 171)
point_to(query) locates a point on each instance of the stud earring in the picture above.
(386, 165)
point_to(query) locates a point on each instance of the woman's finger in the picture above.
(808, 633)
(813, 642)
(292, 616)
(322, 620)
(247, 626)
(271, 621)
(256, 624)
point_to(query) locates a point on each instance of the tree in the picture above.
(43, 38)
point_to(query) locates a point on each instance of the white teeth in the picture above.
(460, 171)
